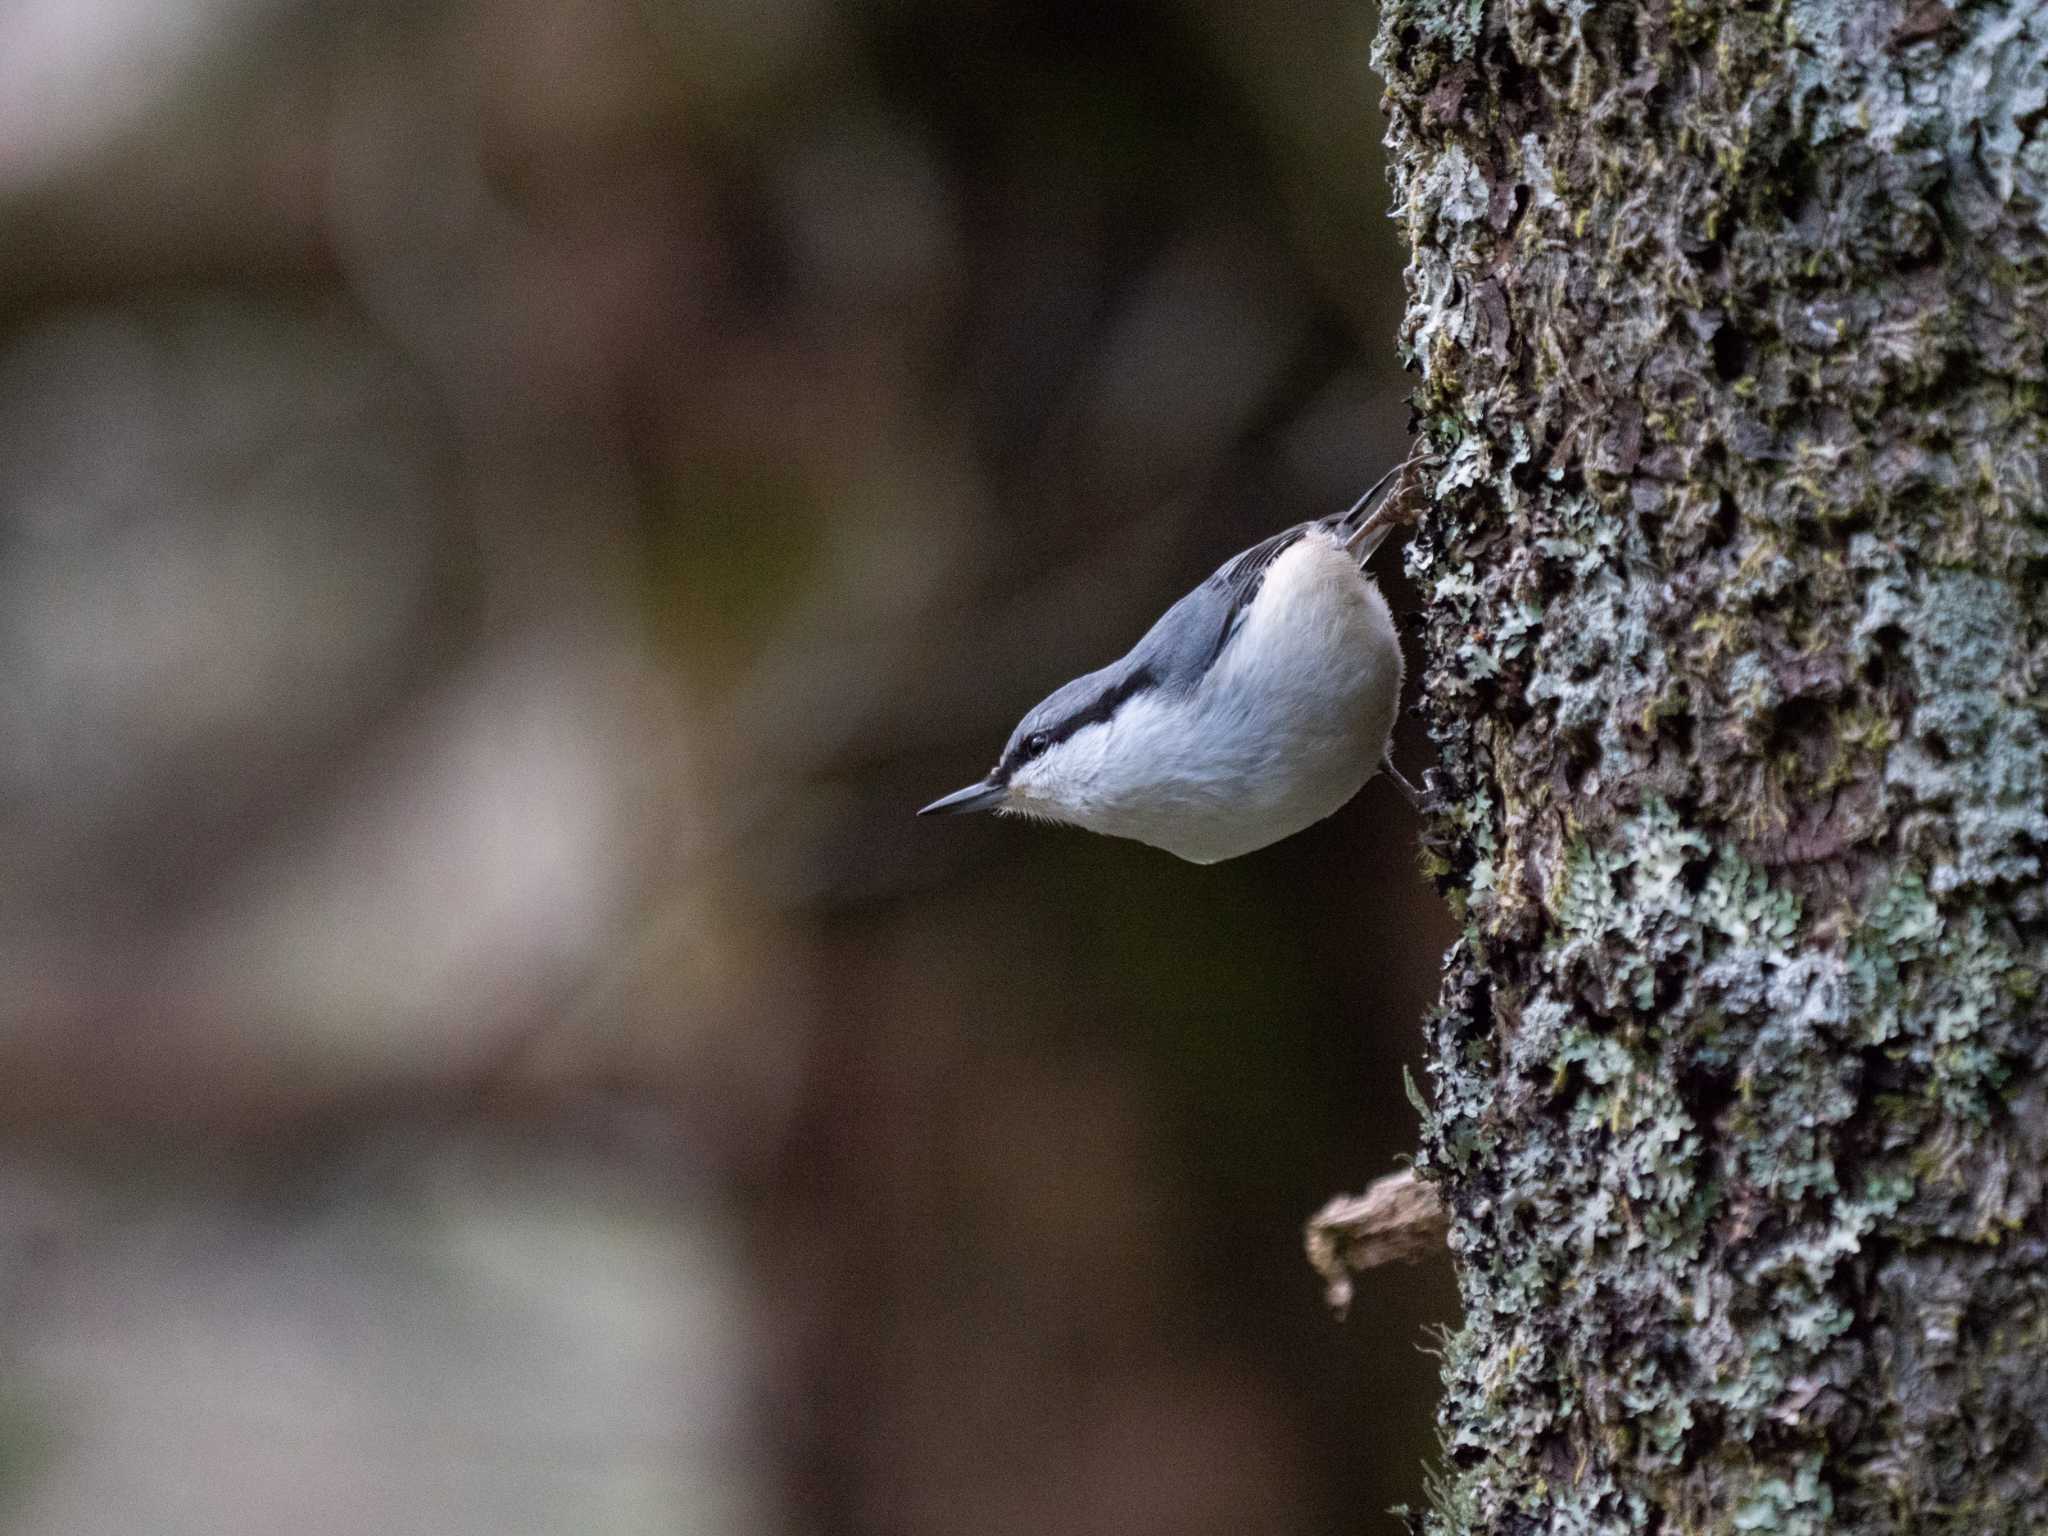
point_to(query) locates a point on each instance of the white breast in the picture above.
(1293, 718)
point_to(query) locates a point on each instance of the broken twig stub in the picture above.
(1399, 1220)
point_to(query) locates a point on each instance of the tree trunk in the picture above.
(1730, 323)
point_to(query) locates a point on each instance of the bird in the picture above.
(1257, 705)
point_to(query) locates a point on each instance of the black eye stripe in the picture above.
(1039, 742)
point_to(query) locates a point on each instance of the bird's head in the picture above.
(1057, 756)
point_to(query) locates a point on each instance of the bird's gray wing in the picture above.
(1190, 635)
(1177, 652)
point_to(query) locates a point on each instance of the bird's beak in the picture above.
(985, 796)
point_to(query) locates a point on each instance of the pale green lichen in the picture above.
(1621, 1196)
(1732, 327)
(1798, 1505)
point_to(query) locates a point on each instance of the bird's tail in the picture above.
(1363, 530)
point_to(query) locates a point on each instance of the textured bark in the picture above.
(1730, 324)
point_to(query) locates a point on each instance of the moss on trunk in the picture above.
(1730, 322)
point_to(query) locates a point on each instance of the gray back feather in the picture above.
(1176, 652)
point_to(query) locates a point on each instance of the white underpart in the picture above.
(1286, 727)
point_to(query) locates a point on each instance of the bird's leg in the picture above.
(1414, 795)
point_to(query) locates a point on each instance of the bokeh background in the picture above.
(506, 506)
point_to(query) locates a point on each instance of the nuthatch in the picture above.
(1258, 704)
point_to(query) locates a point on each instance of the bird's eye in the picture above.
(1037, 742)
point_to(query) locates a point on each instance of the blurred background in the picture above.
(506, 508)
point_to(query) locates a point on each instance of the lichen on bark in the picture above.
(1732, 330)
